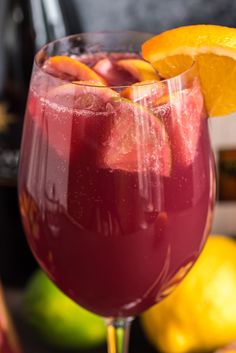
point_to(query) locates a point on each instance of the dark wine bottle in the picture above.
(25, 26)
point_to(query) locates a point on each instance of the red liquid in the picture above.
(114, 240)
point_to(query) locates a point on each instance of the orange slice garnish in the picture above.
(212, 47)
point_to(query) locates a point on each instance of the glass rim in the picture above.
(97, 85)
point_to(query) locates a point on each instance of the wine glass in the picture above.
(116, 183)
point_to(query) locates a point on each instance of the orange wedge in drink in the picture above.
(141, 90)
(212, 47)
(75, 69)
(139, 69)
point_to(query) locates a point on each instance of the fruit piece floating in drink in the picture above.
(116, 181)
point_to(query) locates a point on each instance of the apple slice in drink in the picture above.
(138, 141)
(182, 113)
(112, 74)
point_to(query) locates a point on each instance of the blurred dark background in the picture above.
(153, 15)
(16, 261)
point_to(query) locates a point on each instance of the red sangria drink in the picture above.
(116, 180)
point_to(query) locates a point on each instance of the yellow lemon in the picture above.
(200, 315)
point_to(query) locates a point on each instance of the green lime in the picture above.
(57, 319)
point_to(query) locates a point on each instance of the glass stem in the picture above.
(118, 331)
